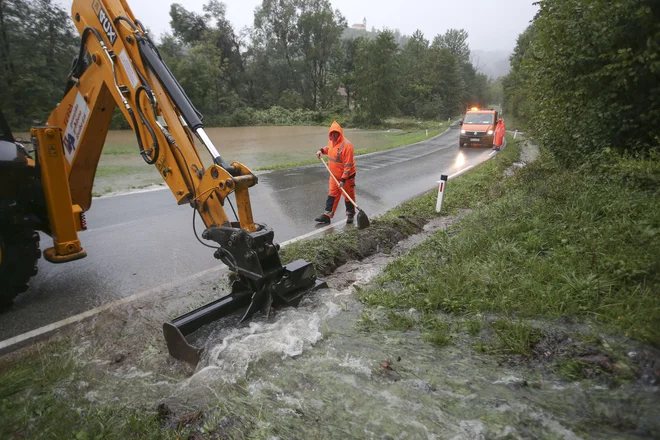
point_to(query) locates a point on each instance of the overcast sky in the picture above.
(492, 24)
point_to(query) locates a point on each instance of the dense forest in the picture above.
(298, 64)
(585, 77)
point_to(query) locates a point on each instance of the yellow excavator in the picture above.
(48, 186)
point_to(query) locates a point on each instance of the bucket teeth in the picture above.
(296, 280)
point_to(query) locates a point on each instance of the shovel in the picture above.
(362, 219)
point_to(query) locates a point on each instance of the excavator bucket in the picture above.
(261, 282)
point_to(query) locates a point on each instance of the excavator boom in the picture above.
(119, 65)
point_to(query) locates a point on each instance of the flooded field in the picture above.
(121, 167)
(255, 146)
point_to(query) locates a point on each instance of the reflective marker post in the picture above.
(515, 134)
(442, 183)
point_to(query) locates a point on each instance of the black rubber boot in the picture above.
(349, 218)
(322, 219)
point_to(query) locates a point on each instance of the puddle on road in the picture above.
(315, 372)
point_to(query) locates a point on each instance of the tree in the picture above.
(415, 85)
(377, 77)
(346, 64)
(592, 71)
(515, 85)
(318, 30)
(35, 59)
(456, 41)
(446, 80)
(187, 26)
(204, 53)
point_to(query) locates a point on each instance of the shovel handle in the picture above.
(337, 182)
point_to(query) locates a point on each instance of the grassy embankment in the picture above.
(546, 243)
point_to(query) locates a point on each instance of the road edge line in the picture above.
(24, 339)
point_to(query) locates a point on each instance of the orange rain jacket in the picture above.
(500, 130)
(340, 154)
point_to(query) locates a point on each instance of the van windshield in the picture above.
(478, 118)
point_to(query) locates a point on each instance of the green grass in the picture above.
(46, 394)
(119, 149)
(397, 140)
(515, 337)
(547, 242)
(117, 170)
(330, 251)
(439, 334)
(40, 398)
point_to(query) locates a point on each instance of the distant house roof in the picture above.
(359, 26)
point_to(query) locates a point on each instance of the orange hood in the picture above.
(336, 127)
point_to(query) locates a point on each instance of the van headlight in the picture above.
(462, 131)
(490, 131)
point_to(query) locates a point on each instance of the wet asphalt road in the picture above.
(142, 240)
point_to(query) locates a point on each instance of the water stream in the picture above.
(316, 372)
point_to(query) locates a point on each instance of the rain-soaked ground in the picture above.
(142, 240)
(319, 371)
(316, 371)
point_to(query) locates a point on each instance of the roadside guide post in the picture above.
(442, 183)
(427, 132)
(515, 133)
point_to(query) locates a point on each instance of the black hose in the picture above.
(137, 132)
(155, 146)
(149, 63)
(79, 67)
(127, 20)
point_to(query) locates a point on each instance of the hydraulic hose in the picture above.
(155, 146)
(78, 67)
(128, 21)
(155, 63)
(155, 48)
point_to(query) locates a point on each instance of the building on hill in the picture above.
(361, 26)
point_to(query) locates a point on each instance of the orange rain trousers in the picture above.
(334, 194)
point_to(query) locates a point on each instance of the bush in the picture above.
(242, 117)
(290, 100)
(591, 68)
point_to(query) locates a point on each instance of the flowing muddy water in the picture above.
(121, 167)
(316, 372)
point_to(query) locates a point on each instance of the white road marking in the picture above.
(21, 340)
(458, 173)
(18, 341)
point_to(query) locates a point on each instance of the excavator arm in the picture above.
(119, 65)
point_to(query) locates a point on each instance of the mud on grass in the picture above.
(547, 243)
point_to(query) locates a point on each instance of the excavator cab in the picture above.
(118, 65)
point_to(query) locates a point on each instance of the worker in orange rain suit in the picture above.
(342, 166)
(500, 130)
